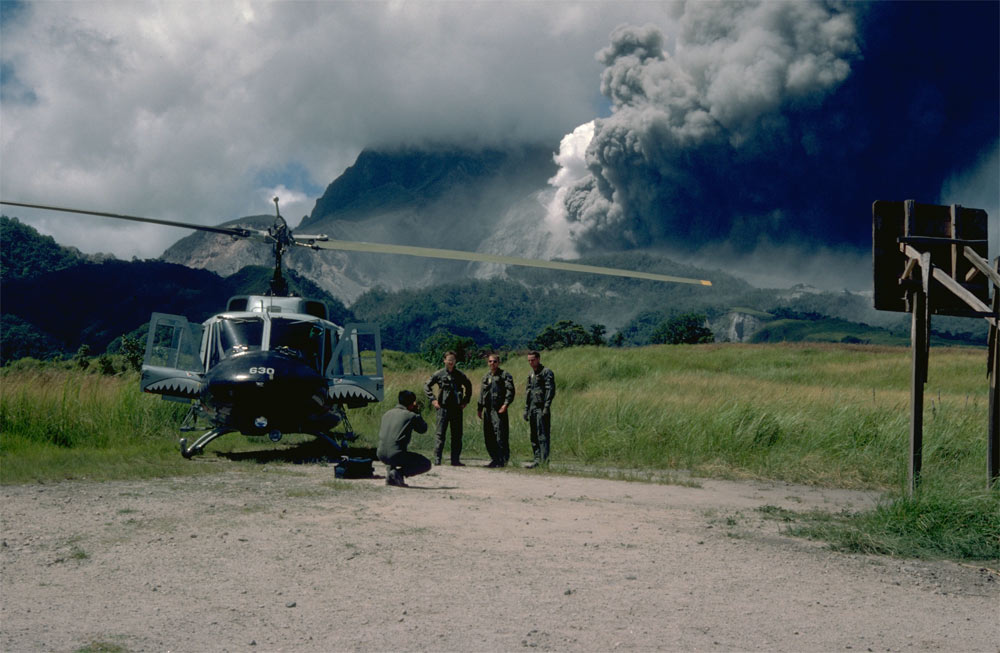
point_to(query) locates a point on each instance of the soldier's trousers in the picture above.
(409, 463)
(541, 426)
(496, 433)
(449, 417)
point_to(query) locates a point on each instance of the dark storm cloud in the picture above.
(781, 122)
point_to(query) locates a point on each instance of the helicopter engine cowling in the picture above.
(260, 392)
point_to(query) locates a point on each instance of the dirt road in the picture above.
(283, 558)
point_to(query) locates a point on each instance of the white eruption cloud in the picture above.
(572, 162)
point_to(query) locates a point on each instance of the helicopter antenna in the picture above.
(279, 232)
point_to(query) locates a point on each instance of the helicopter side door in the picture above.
(173, 365)
(355, 368)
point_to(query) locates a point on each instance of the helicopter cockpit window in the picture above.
(301, 339)
(239, 335)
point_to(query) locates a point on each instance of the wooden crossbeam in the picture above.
(982, 265)
(955, 287)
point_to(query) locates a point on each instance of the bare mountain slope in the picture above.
(480, 201)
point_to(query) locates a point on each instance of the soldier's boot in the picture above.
(395, 478)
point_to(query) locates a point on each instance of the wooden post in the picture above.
(993, 444)
(993, 436)
(920, 327)
(955, 212)
(919, 372)
(956, 238)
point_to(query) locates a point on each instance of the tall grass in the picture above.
(832, 415)
(820, 414)
(828, 415)
(60, 422)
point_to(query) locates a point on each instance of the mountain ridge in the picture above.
(475, 200)
(478, 200)
(57, 310)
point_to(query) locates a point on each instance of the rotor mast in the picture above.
(282, 238)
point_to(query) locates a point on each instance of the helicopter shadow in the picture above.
(433, 488)
(317, 452)
(308, 452)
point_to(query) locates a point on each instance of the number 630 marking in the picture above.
(263, 370)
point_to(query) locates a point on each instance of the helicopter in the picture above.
(274, 363)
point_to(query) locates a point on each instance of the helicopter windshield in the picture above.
(237, 335)
(299, 338)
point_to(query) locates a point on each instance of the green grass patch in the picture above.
(931, 524)
(100, 646)
(934, 523)
(819, 414)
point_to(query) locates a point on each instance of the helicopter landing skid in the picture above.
(339, 440)
(339, 444)
(199, 444)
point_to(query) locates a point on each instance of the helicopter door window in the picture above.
(330, 341)
(173, 342)
(301, 339)
(240, 335)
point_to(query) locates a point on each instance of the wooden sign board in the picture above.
(928, 228)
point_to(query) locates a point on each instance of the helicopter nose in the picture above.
(262, 392)
(260, 423)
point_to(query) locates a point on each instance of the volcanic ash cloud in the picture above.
(692, 152)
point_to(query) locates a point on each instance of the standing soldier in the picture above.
(455, 390)
(540, 391)
(495, 395)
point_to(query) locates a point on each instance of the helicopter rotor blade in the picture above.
(322, 242)
(456, 255)
(229, 231)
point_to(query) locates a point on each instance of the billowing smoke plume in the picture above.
(778, 122)
(572, 171)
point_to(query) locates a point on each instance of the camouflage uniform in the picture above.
(455, 389)
(496, 390)
(398, 425)
(540, 391)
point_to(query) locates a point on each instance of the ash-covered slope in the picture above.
(222, 254)
(486, 200)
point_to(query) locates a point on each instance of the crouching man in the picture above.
(398, 425)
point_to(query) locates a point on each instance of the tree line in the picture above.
(688, 328)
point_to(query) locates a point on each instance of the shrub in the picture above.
(687, 329)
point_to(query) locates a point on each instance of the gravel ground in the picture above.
(283, 557)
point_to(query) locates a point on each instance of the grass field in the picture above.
(831, 415)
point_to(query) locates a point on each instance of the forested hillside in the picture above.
(54, 301)
(25, 253)
(94, 303)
